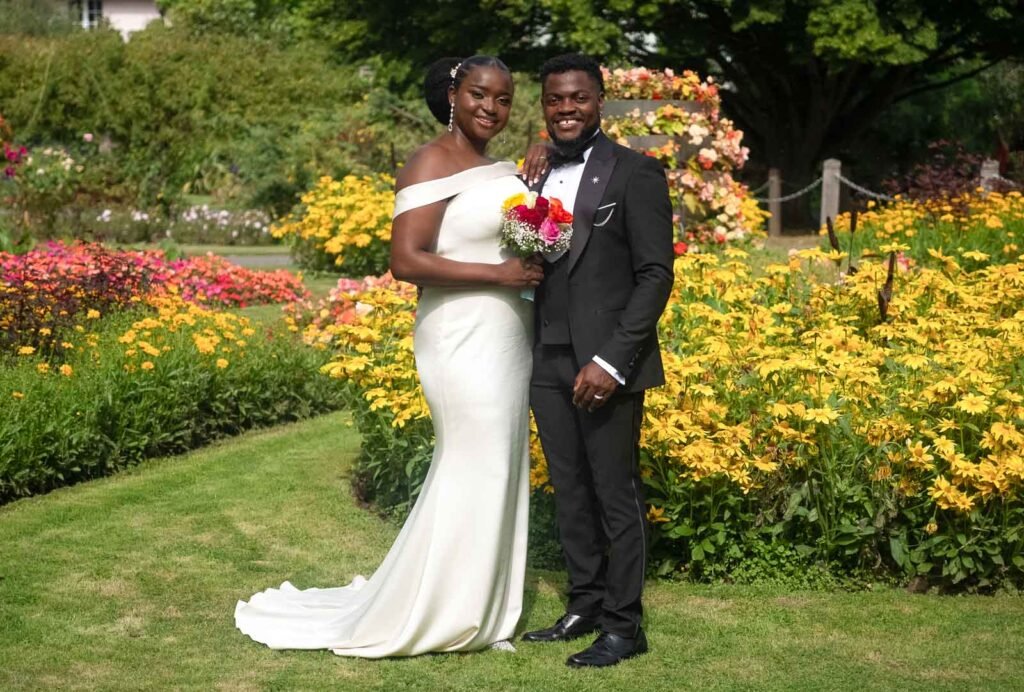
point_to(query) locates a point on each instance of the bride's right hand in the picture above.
(518, 272)
(535, 164)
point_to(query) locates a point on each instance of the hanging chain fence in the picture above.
(760, 187)
(1011, 183)
(786, 198)
(855, 187)
(863, 190)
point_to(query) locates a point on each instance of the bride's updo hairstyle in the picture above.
(439, 78)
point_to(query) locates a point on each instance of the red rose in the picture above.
(532, 217)
(680, 248)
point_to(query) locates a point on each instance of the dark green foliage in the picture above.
(36, 17)
(393, 462)
(177, 114)
(804, 80)
(241, 120)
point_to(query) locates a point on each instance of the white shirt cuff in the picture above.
(607, 367)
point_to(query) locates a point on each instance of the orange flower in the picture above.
(558, 213)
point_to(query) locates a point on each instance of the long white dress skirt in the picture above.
(453, 580)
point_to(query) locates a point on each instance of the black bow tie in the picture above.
(557, 159)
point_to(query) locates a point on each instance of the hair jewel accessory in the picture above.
(451, 113)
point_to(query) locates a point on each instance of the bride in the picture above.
(453, 580)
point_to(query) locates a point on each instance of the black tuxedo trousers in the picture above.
(599, 503)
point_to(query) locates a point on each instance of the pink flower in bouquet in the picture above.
(549, 231)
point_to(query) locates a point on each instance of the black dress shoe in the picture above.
(608, 650)
(568, 627)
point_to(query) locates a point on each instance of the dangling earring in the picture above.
(451, 117)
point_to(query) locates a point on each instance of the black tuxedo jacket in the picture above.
(609, 290)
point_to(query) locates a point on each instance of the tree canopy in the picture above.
(804, 79)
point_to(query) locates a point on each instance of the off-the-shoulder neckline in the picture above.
(462, 172)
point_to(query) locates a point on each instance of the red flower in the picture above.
(558, 213)
(680, 248)
(532, 217)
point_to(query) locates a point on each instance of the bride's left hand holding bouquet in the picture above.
(533, 224)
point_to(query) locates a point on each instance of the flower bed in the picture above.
(641, 83)
(199, 224)
(970, 230)
(799, 429)
(134, 385)
(795, 415)
(343, 225)
(371, 322)
(212, 280)
(703, 152)
(47, 289)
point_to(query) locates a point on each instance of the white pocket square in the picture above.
(609, 209)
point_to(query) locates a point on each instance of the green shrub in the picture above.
(175, 113)
(248, 122)
(37, 17)
(145, 385)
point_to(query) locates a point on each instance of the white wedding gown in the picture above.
(453, 580)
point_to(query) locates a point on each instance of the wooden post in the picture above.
(829, 190)
(989, 174)
(774, 205)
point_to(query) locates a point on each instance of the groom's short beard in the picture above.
(570, 148)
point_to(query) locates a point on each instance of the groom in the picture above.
(595, 352)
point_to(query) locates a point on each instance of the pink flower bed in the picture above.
(49, 287)
(212, 280)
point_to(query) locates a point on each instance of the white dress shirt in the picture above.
(563, 183)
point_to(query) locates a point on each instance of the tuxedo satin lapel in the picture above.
(595, 178)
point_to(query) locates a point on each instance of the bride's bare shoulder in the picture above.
(429, 162)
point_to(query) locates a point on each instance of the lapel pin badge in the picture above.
(595, 180)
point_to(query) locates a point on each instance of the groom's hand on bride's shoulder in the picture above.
(593, 387)
(536, 162)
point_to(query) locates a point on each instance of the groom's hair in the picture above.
(439, 78)
(572, 62)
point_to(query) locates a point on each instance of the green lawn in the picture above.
(129, 583)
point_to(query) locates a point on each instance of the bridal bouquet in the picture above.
(533, 224)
